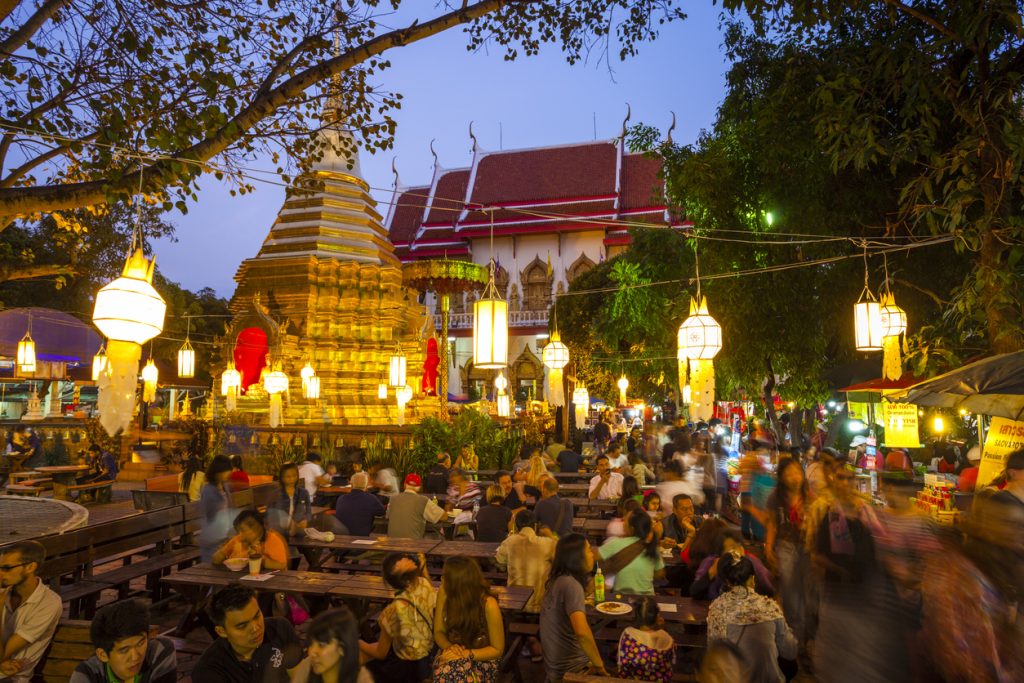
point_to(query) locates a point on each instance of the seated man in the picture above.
(356, 509)
(30, 610)
(103, 464)
(250, 649)
(124, 650)
(605, 485)
(253, 537)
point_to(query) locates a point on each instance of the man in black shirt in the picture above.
(436, 480)
(602, 433)
(250, 649)
(512, 500)
(569, 461)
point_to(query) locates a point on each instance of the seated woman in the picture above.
(492, 520)
(468, 627)
(467, 459)
(634, 560)
(646, 651)
(253, 537)
(462, 492)
(239, 478)
(754, 623)
(333, 654)
(292, 510)
(617, 525)
(707, 584)
(404, 651)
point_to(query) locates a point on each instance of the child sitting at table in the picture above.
(652, 503)
(253, 538)
(646, 651)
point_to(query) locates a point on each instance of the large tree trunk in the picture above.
(796, 426)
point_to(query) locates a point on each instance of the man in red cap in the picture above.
(409, 511)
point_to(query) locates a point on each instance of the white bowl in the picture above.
(236, 564)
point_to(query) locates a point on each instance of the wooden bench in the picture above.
(164, 482)
(20, 477)
(97, 491)
(70, 646)
(22, 490)
(41, 482)
(154, 500)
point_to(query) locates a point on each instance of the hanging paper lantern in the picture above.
(99, 362)
(186, 360)
(504, 405)
(275, 383)
(555, 354)
(312, 390)
(26, 354)
(129, 312)
(396, 369)
(490, 329)
(623, 384)
(698, 342)
(500, 382)
(150, 374)
(867, 323)
(581, 403)
(700, 335)
(382, 391)
(230, 386)
(306, 372)
(403, 396)
(893, 321)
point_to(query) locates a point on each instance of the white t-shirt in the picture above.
(387, 482)
(619, 461)
(310, 473)
(611, 490)
(35, 620)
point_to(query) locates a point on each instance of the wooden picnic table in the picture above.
(481, 551)
(674, 609)
(373, 588)
(63, 476)
(313, 550)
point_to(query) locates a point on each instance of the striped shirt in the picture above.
(160, 666)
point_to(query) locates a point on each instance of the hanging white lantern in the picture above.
(396, 369)
(382, 391)
(893, 321)
(500, 382)
(623, 385)
(99, 362)
(150, 375)
(698, 342)
(26, 354)
(490, 328)
(129, 309)
(556, 354)
(700, 335)
(275, 383)
(306, 372)
(504, 405)
(186, 360)
(312, 389)
(867, 324)
(581, 403)
(129, 312)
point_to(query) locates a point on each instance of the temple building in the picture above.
(557, 212)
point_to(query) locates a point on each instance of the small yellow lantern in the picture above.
(150, 375)
(581, 403)
(312, 390)
(306, 372)
(867, 323)
(382, 391)
(99, 362)
(490, 328)
(623, 385)
(555, 354)
(27, 353)
(700, 335)
(275, 383)
(396, 369)
(186, 360)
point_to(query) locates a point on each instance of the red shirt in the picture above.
(968, 480)
(239, 477)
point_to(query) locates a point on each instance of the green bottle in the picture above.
(599, 586)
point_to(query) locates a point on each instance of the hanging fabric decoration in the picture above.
(382, 391)
(306, 374)
(428, 385)
(555, 356)
(150, 374)
(403, 395)
(276, 384)
(698, 342)
(894, 325)
(501, 399)
(581, 405)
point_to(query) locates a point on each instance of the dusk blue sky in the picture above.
(538, 101)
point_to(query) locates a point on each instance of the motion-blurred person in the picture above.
(753, 622)
(784, 544)
(292, 510)
(968, 480)
(1013, 476)
(722, 663)
(861, 634)
(216, 508)
(971, 620)
(707, 581)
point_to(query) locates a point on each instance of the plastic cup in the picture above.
(254, 565)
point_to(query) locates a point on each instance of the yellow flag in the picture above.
(550, 269)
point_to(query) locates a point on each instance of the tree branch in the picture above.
(6, 7)
(11, 273)
(48, 198)
(927, 19)
(23, 33)
(941, 303)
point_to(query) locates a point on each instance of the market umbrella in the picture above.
(992, 386)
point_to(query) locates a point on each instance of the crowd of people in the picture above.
(816, 578)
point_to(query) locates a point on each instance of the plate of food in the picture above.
(617, 608)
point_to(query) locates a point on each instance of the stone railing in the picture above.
(463, 321)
